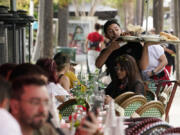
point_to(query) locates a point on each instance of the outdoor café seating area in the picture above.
(129, 113)
(90, 73)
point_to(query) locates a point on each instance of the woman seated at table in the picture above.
(128, 77)
(54, 88)
(67, 77)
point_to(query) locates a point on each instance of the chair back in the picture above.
(66, 108)
(123, 97)
(131, 104)
(171, 94)
(151, 109)
(135, 124)
(155, 128)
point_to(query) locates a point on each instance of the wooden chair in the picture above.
(131, 104)
(159, 90)
(123, 97)
(151, 109)
(172, 93)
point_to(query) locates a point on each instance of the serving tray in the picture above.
(147, 38)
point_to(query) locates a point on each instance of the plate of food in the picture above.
(151, 38)
(169, 38)
(129, 38)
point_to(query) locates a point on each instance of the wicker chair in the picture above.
(66, 109)
(153, 129)
(137, 123)
(151, 109)
(174, 84)
(165, 95)
(171, 131)
(160, 88)
(123, 97)
(131, 104)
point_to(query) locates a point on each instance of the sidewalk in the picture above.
(174, 114)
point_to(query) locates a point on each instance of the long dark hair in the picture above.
(128, 64)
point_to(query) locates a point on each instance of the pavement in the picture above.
(174, 114)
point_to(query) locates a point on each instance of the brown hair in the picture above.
(97, 26)
(20, 82)
(49, 66)
(128, 64)
(61, 60)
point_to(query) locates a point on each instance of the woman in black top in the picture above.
(127, 77)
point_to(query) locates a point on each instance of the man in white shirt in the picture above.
(8, 124)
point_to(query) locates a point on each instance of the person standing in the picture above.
(116, 48)
(93, 44)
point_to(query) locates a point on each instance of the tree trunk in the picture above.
(38, 49)
(129, 12)
(63, 16)
(158, 15)
(139, 12)
(176, 20)
(48, 24)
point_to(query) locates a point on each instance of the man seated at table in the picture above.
(30, 105)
